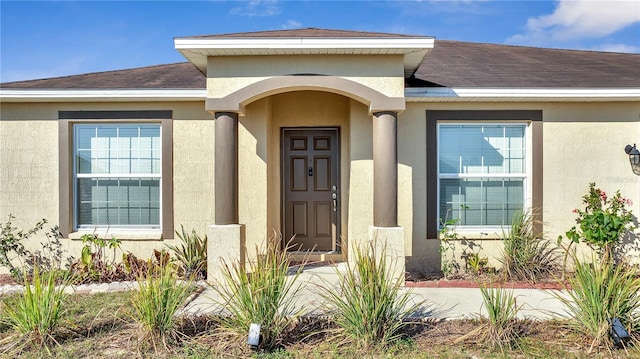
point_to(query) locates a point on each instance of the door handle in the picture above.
(334, 197)
(310, 171)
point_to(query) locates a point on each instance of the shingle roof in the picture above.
(449, 64)
(468, 64)
(172, 76)
(307, 32)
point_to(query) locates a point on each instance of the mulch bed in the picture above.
(419, 280)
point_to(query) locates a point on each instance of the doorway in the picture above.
(310, 180)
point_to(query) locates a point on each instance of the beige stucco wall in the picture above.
(29, 168)
(226, 75)
(583, 142)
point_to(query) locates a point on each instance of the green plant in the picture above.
(12, 244)
(92, 265)
(502, 311)
(37, 312)
(156, 302)
(499, 328)
(368, 305)
(97, 246)
(192, 254)
(603, 221)
(526, 255)
(448, 236)
(261, 292)
(476, 264)
(602, 290)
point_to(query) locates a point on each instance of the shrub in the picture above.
(156, 302)
(12, 241)
(368, 306)
(601, 291)
(92, 265)
(264, 293)
(192, 254)
(526, 254)
(500, 329)
(37, 312)
(603, 221)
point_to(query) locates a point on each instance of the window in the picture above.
(482, 172)
(117, 175)
(116, 172)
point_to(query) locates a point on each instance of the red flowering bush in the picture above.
(603, 221)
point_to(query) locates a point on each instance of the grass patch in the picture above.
(117, 339)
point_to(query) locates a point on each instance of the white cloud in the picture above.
(291, 24)
(257, 8)
(579, 19)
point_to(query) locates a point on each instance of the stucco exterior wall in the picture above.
(226, 75)
(253, 174)
(583, 143)
(29, 168)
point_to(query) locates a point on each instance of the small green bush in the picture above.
(368, 306)
(192, 254)
(603, 221)
(37, 312)
(500, 329)
(527, 255)
(601, 291)
(264, 293)
(158, 298)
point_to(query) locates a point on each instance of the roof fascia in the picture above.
(100, 95)
(409, 43)
(521, 94)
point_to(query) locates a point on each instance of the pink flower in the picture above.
(629, 202)
(603, 195)
(575, 210)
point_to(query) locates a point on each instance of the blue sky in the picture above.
(40, 39)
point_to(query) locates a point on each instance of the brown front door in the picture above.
(310, 188)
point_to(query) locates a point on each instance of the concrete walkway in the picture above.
(445, 303)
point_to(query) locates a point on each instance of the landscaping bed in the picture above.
(101, 326)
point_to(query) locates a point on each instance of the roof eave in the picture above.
(100, 95)
(448, 94)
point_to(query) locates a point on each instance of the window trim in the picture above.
(66, 122)
(534, 137)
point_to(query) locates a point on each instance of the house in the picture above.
(336, 137)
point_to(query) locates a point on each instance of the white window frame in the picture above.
(526, 176)
(75, 176)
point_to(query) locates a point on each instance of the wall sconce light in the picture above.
(634, 158)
